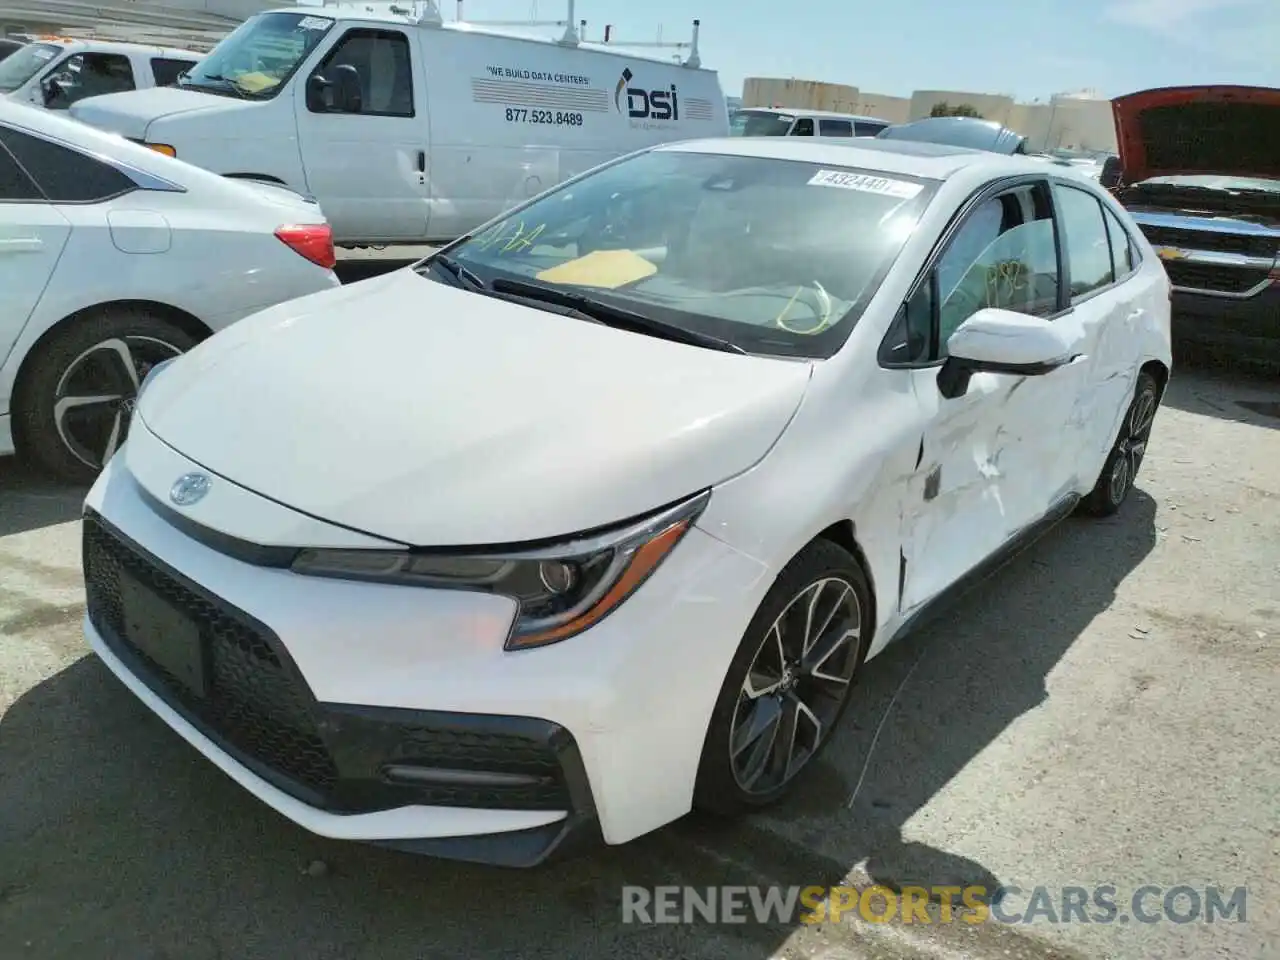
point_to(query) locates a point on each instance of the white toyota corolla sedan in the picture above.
(114, 258)
(593, 517)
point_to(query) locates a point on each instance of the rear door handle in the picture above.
(21, 245)
(422, 161)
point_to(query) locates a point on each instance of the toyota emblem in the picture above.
(189, 488)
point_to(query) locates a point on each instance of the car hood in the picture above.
(1177, 131)
(433, 416)
(130, 113)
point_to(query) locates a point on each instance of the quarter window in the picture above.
(15, 185)
(63, 175)
(835, 128)
(167, 71)
(1088, 251)
(1122, 261)
(382, 63)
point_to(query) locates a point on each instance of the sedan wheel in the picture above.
(75, 406)
(1120, 471)
(789, 682)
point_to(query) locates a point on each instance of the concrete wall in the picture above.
(1074, 121)
(799, 94)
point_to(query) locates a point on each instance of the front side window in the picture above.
(378, 62)
(753, 123)
(1088, 249)
(64, 175)
(777, 256)
(835, 128)
(88, 75)
(17, 68)
(257, 58)
(803, 128)
(1005, 256)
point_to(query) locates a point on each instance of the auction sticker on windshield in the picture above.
(865, 183)
(313, 23)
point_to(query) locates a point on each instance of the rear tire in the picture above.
(1120, 470)
(75, 401)
(789, 682)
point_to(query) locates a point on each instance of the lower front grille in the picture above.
(1218, 279)
(1215, 241)
(234, 684)
(230, 677)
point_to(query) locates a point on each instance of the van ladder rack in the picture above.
(575, 33)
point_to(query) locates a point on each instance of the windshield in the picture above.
(1212, 182)
(21, 65)
(259, 56)
(748, 123)
(774, 256)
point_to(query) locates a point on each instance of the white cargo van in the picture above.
(57, 72)
(407, 128)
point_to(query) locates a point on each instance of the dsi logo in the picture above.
(646, 104)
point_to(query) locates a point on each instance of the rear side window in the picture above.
(15, 185)
(1122, 260)
(835, 128)
(167, 71)
(63, 175)
(1088, 249)
(803, 127)
(866, 129)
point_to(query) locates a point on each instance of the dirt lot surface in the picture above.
(1102, 712)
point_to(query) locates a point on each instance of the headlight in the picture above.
(562, 590)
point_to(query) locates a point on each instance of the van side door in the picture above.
(362, 133)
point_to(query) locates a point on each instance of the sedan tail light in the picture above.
(313, 241)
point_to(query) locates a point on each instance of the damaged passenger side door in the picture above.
(989, 463)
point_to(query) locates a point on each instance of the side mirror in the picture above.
(1111, 172)
(51, 91)
(319, 94)
(1002, 341)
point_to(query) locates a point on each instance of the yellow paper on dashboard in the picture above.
(255, 82)
(601, 268)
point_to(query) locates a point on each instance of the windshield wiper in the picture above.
(613, 316)
(231, 84)
(457, 270)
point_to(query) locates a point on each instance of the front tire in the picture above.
(74, 405)
(1120, 470)
(788, 683)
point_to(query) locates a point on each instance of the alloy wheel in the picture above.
(1133, 444)
(796, 685)
(96, 394)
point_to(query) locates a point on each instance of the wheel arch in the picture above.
(844, 534)
(1160, 371)
(188, 323)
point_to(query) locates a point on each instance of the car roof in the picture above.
(806, 112)
(115, 46)
(929, 161)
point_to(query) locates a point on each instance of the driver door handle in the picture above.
(422, 161)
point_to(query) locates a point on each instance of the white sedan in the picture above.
(114, 258)
(593, 517)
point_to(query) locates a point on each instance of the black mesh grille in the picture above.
(257, 706)
(1202, 276)
(1246, 244)
(251, 700)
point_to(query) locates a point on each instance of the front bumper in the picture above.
(1249, 326)
(391, 714)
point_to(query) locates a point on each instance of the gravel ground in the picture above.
(1100, 712)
